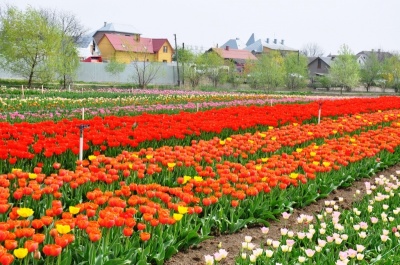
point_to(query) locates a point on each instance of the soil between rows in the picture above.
(233, 242)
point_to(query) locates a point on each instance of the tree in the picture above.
(39, 44)
(371, 70)
(29, 45)
(186, 59)
(144, 71)
(296, 71)
(267, 71)
(312, 50)
(212, 65)
(392, 71)
(71, 31)
(345, 70)
(115, 68)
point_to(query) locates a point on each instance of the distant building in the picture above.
(125, 44)
(126, 49)
(319, 66)
(363, 56)
(265, 46)
(234, 44)
(238, 57)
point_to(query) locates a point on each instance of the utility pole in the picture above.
(177, 61)
(183, 65)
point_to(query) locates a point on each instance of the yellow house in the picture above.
(126, 49)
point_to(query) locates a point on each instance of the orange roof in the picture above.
(229, 53)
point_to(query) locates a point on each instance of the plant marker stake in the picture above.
(197, 107)
(271, 102)
(23, 91)
(42, 89)
(81, 127)
(69, 88)
(83, 113)
(319, 112)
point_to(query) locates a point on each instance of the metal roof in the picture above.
(259, 44)
(121, 28)
(234, 44)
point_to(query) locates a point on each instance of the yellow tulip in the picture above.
(63, 229)
(171, 165)
(294, 175)
(74, 210)
(177, 216)
(326, 164)
(25, 212)
(264, 159)
(186, 179)
(182, 209)
(92, 157)
(313, 154)
(221, 142)
(298, 150)
(32, 175)
(149, 156)
(262, 135)
(198, 178)
(20, 252)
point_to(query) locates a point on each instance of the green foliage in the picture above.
(115, 68)
(296, 71)
(392, 71)
(30, 45)
(212, 66)
(345, 70)
(267, 72)
(371, 70)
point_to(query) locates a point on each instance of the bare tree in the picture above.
(71, 31)
(312, 50)
(145, 71)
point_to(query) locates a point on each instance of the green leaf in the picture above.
(169, 251)
(117, 261)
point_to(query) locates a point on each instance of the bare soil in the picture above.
(233, 242)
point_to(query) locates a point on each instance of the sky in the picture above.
(360, 24)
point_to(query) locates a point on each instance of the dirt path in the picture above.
(232, 243)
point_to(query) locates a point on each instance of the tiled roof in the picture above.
(128, 43)
(234, 54)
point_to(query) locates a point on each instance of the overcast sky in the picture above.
(361, 24)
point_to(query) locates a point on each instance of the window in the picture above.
(165, 49)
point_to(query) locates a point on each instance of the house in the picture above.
(128, 48)
(238, 57)
(86, 47)
(265, 46)
(113, 28)
(234, 44)
(362, 56)
(319, 66)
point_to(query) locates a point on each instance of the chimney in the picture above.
(275, 41)
(227, 47)
(105, 24)
(283, 42)
(267, 40)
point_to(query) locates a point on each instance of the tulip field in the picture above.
(163, 172)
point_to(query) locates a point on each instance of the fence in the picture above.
(95, 72)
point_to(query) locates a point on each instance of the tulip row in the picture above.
(116, 204)
(117, 100)
(52, 141)
(366, 234)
